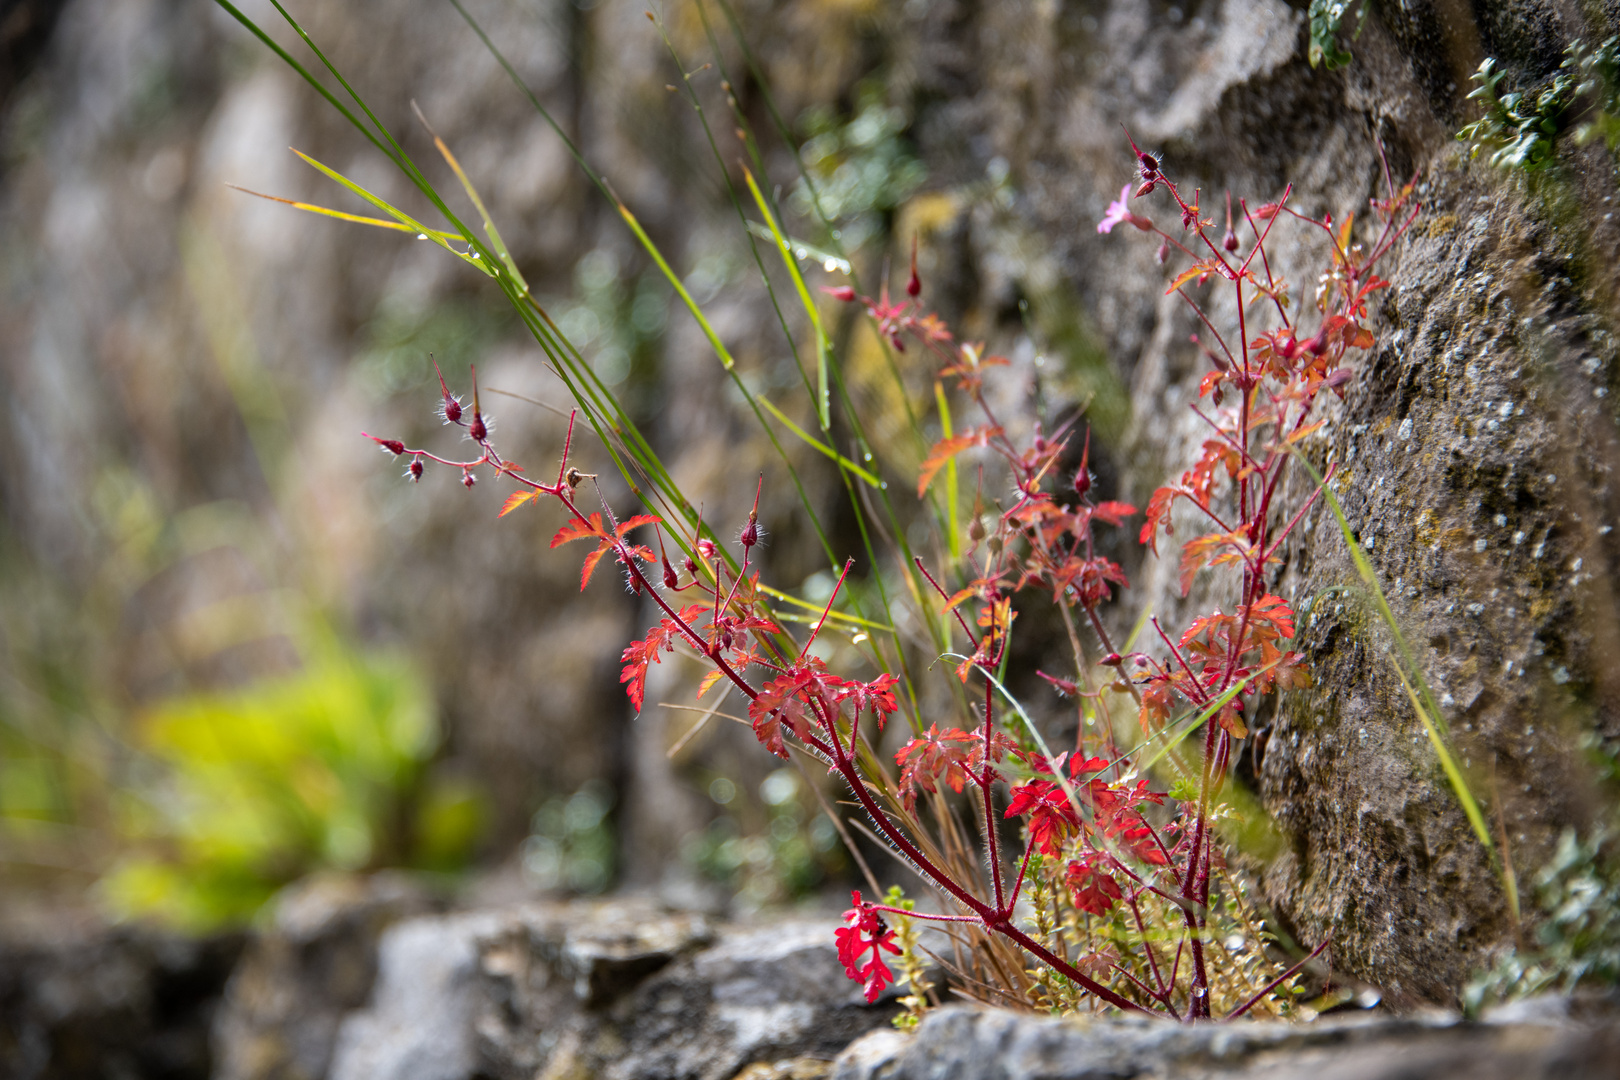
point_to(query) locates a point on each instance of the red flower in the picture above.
(863, 931)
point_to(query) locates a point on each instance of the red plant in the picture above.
(1091, 825)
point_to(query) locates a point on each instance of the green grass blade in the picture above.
(438, 237)
(478, 204)
(674, 279)
(1417, 689)
(953, 531)
(819, 446)
(823, 348)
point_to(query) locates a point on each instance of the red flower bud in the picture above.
(706, 548)
(842, 292)
(750, 533)
(1163, 255)
(468, 479)
(691, 566)
(913, 283)
(414, 470)
(450, 409)
(1145, 189)
(1113, 659)
(393, 446)
(671, 579)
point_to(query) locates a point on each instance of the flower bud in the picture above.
(706, 548)
(468, 479)
(671, 579)
(691, 566)
(842, 292)
(450, 409)
(1113, 659)
(1163, 255)
(414, 470)
(1145, 189)
(750, 532)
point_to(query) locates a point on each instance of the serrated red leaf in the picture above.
(945, 449)
(589, 568)
(640, 519)
(517, 499)
(577, 529)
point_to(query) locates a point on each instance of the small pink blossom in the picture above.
(1120, 211)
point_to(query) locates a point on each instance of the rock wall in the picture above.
(167, 340)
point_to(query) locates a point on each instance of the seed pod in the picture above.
(691, 566)
(468, 479)
(1230, 241)
(1082, 481)
(671, 579)
(1113, 659)
(478, 430)
(976, 530)
(750, 532)
(414, 470)
(913, 283)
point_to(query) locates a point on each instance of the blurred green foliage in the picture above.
(255, 787)
(571, 845)
(1577, 942)
(1520, 129)
(861, 167)
(1326, 19)
(794, 852)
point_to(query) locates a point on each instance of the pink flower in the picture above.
(1119, 211)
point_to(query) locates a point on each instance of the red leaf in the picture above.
(638, 655)
(579, 530)
(1158, 511)
(1201, 269)
(517, 499)
(933, 756)
(1114, 513)
(639, 519)
(1093, 889)
(589, 568)
(946, 449)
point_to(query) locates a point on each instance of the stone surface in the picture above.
(313, 963)
(617, 989)
(990, 1045)
(81, 1000)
